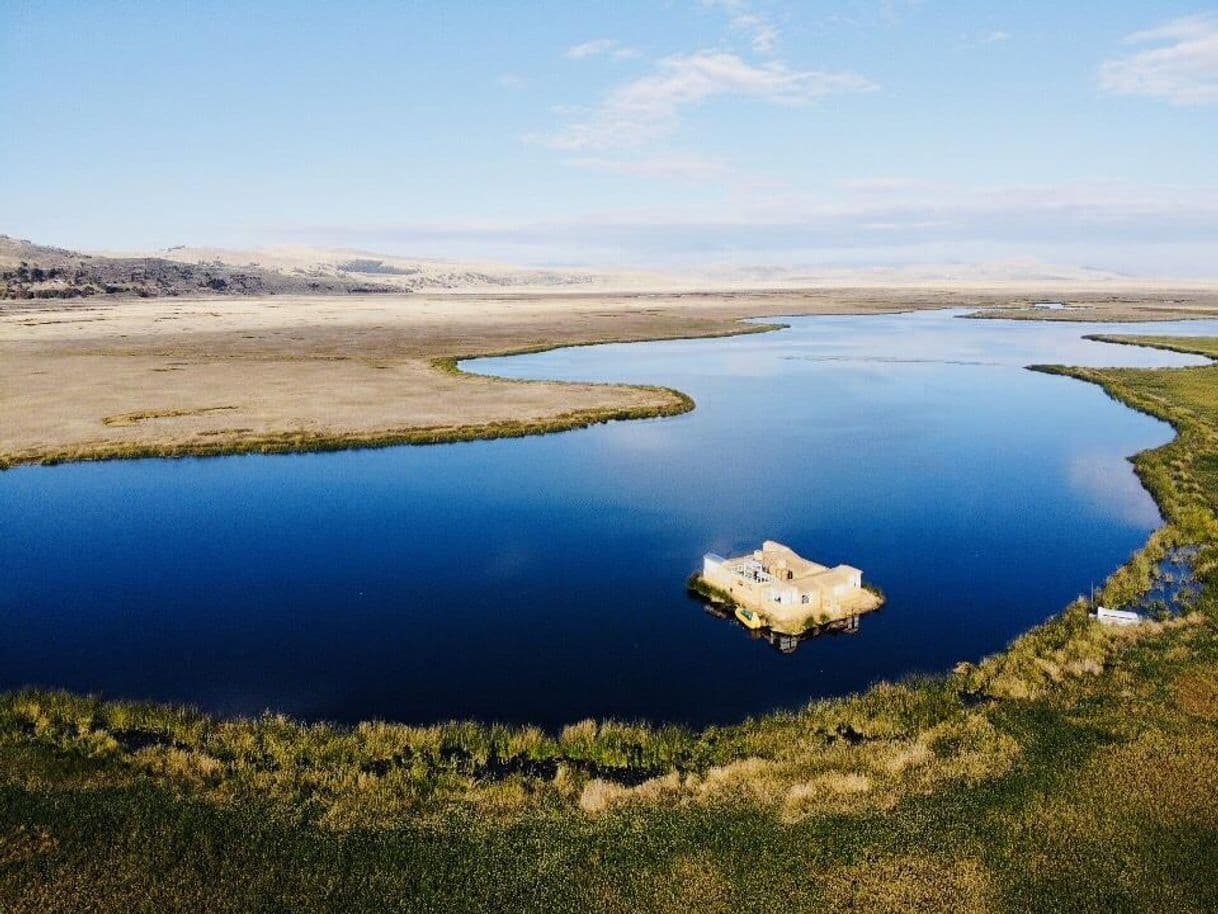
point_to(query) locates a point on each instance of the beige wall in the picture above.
(835, 599)
(832, 600)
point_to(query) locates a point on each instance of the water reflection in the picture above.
(1174, 585)
(782, 642)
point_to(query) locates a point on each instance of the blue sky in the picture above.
(855, 133)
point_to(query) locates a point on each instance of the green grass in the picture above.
(1075, 771)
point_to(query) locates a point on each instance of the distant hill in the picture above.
(433, 275)
(991, 273)
(32, 271)
(420, 273)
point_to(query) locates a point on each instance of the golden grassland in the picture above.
(666, 401)
(169, 377)
(1075, 771)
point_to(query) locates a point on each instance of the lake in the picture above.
(543, 579)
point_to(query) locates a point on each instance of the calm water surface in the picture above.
(542, 579)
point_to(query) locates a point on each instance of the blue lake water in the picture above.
(542, 579)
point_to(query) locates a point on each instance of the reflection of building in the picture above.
(789, 593)
(787, 644)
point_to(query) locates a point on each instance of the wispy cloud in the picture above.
(650, 107)
(600, 47)
(973, 40)
(666, 167)
(1165, 227)
(883, 184)
(894, 11)
(1178, 63)
(512, 81)
(763, 35)
(871, 14)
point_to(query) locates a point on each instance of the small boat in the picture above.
(748, 618)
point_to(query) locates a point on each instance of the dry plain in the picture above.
(97, 378)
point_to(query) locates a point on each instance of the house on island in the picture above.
(778, 588)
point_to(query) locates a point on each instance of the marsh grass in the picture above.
(709, 592)
(1074, 771)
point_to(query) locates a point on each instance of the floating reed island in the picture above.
(777, 589)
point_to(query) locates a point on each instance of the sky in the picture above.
(674, 133)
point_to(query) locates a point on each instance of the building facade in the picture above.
(789, 592)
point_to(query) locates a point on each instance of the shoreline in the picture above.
(1155, 547)
(998, 773)
(169, 378)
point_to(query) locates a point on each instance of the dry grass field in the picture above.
(90, 379)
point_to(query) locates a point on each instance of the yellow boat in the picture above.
(748, 618)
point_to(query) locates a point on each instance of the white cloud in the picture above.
(894, 11)
(871, 14)
(983, 39)
(598, 47)
(512, 81)
(1122, 226)
(687, 168)
(1181, 67)
(650, 107)
(762, 33)
(589, 48)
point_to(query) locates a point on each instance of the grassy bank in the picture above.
(1075, 771)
